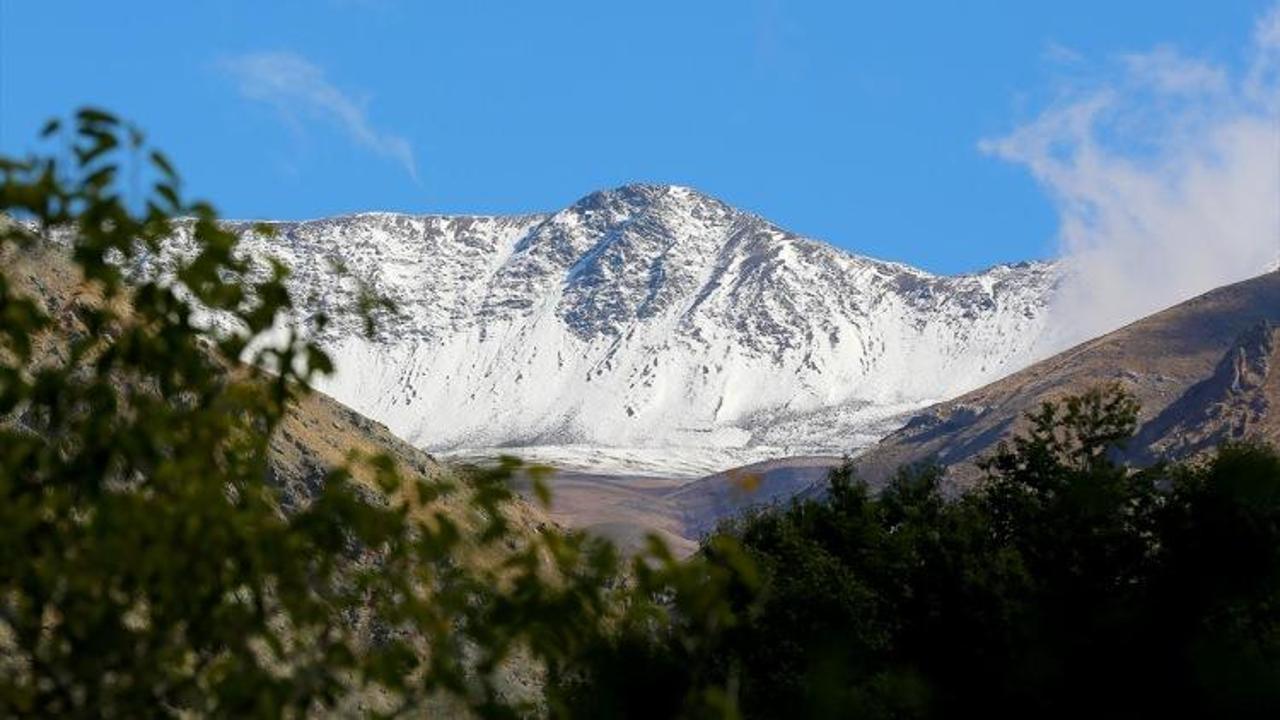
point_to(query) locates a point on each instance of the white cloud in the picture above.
(1059, 54)
(1166, 176)
(1168, 71)
(297, 87)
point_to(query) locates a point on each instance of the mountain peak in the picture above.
(643, 195)
(648, 317)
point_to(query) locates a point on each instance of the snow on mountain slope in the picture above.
(649, 328)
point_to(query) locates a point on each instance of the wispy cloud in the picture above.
(1059, 54)
(298, 88)
(1165, 170)
(1167, 71)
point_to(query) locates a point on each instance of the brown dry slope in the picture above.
(317, 435)
(1205, 371)
(703, 503)
(626, 509)
(623, 509)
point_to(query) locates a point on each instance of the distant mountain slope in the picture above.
(625, 508)
(1205, 371)
(703, 503)
(650, 327)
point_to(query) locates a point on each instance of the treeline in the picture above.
(147, 567)
(1065, 584)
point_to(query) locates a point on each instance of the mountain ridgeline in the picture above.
(648, 329)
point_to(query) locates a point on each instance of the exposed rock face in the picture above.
(1237, 402)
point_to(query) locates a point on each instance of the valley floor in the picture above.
(627, 507)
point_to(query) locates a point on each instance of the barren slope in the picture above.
(1205, 371)
(317, 435)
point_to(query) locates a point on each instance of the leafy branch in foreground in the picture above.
(146, 564)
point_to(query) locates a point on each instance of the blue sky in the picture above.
(859, 124)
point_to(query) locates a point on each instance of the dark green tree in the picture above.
(1064, 584)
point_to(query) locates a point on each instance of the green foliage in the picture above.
(1064, 585)
(146, 565)
(667, 659)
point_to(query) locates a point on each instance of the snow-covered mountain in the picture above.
(649, 329)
